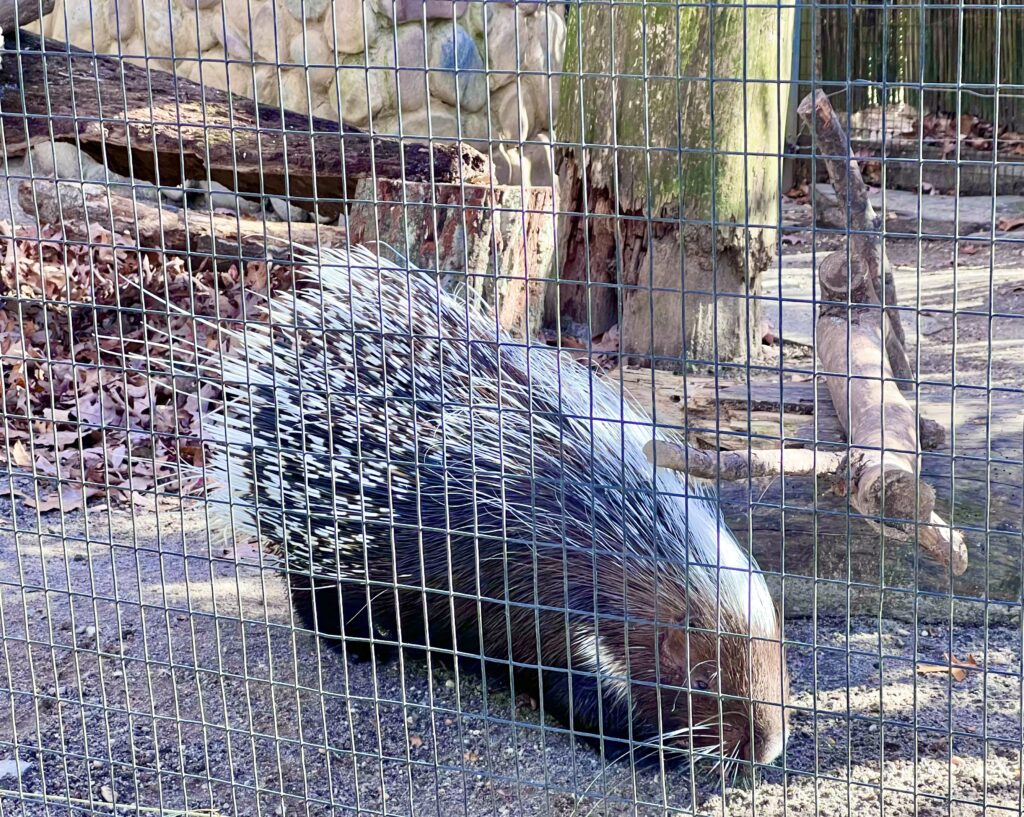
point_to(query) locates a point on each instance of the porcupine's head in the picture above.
(688, 640)
(697, 659)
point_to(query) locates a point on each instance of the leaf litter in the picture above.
(91, 410)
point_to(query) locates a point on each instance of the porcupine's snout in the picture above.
(722, 684)
(755, 719)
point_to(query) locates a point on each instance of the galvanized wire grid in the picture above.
(152, 666)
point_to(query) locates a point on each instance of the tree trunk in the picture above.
(666, 171)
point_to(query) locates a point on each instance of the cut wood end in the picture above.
(945, 544)
(816, 102)
(891, 490)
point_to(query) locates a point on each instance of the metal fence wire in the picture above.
(511, 408)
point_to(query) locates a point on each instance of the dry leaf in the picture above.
(85, 415)
(415, 741)
(70, 498)
(607, 341)
(20, 455)
(470, 756)
(955, 668)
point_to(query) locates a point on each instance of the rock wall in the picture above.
(423, 69)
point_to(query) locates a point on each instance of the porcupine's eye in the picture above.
(700, 684)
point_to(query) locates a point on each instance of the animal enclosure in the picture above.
(511, 408)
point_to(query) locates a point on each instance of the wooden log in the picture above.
(76, 207)
(14, 13)
(154, 126)
(497, 241)
(858, 358)
(880, 425)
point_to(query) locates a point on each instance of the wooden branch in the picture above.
(860, 346)
(863, 276)
(817, 112)
(154, 126)
(739, 465)
(935, 536)
(76, 207)
(14, 13)
(943, 543)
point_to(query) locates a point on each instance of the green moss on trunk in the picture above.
(673, 111)
(642, 97)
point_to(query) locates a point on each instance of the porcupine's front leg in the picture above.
(340, 613)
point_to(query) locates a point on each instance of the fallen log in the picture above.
(153, 126)
(75, 207)
(860, 346)
(14, 13)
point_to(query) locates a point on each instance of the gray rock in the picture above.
(307, 9)
(288, 212)
(457, 75)
(406, 10)
(13, 768)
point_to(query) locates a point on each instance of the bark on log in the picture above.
(76, 207)
(14, 13)
(497, 241)
(154, 126)
(859, 356)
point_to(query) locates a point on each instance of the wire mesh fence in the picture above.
(511, 408)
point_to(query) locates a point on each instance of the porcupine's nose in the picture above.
(768, 749)
(765, 746)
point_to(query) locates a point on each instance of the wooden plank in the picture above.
(157, 127)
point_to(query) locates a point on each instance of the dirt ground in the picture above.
(141, 665)
(147, 670)
(984, 289)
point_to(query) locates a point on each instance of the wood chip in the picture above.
(1007, 223)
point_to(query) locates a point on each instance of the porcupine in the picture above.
(431, 481)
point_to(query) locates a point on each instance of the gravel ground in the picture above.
(144, 665)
